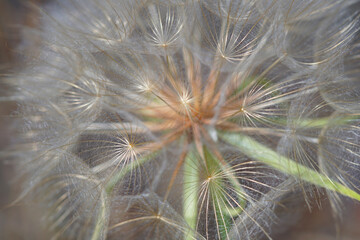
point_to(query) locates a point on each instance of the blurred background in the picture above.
(16, 222)
(20, 222)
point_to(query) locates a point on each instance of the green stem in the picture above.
(319, 122)
(223, 221)
(223, 212)
(213, 162)
(100, 223)
(190, 188)
(260, 152)
(125, 170)
(109, 188)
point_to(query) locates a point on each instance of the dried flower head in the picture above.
(154, 119)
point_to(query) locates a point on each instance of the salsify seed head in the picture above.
(187, 119)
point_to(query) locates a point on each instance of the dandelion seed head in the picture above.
(188, 119)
